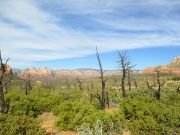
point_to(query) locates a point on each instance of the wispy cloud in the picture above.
(47, 30)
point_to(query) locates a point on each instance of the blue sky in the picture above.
(141, 57)
(64, 33)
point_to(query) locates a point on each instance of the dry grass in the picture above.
(127, 132)
(48, 123)
(111, 110)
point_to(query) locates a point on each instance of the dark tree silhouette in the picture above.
(80, 84)
(125, 65)
(68, 84)
(129, 80)
(28, 85)
(101, 98)
(135, 83)
(160, 83)
(3, 83)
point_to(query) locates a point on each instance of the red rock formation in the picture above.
(36, 73)
(174, 67)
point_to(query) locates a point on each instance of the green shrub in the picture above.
(145, 115)
(86, 130)
(32, 105)
(73, 114)
(176, 78)
(19, 125)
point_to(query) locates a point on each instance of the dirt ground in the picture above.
(48, 123)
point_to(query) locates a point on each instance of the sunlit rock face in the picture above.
(36, 72)
(176, 63)
(56, 74)
(173, 67)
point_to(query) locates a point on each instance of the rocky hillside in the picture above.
(55, 74)
(173, 67)
(37, 73)
(176, 63)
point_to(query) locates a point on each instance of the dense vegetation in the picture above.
(76, 108)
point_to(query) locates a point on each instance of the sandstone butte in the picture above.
(173, 67)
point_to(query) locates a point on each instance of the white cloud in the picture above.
(30, 32)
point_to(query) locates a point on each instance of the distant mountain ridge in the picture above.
(36, 73)
(55, 74)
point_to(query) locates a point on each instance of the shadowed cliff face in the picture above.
(173, 67)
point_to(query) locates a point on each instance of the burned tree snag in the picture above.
(178, 89)
(80, 84)
(135, 83)
(68, 84)
(125, 65)
(107, 96)
(101, 98)
(129, 80)
(3, 83)
(159, 84)
(148, 85)
(91, 98)
(28, 86)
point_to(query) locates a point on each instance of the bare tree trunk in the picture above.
(3, 69)
(80, 84)
(148, 85)
(3, 104)
(129, 80)
(123, 84)
(126, 66)
(28, 86)
(135, 83)
(160, 84)
(178, 89)
(103, 103)
(91, 98)
(107, 94)
(103, 83)
(68, 84)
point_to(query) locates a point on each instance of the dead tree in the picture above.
(116, 84)
(102, 99)
(28, 85)
(154, 80)
(80, 84)
(135, 83)
(3, 83)
(159, 84)
(129, 80)
(178, 89)
(107, 98)
(125, 65)
(149, 86)
(68, 86)
(91, 97)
